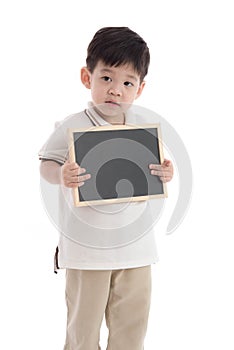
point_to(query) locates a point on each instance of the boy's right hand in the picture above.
(71, 175)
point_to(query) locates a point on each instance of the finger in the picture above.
(74, 184)
(84, 178)
(155, 166)
(160, 173)
(73, 166)
(76, 172)
(166, 179)
(167, 163)
(81, 171)
(158, 167)
(67, 167)
(78, 179)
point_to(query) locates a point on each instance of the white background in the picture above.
(191, 84)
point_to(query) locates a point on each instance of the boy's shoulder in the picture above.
(75, 120)
(141, 115)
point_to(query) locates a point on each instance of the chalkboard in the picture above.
(118, 158)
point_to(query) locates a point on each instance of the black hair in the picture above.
(117, 46)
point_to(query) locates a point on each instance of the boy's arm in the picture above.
(68, 174)
(51, 171)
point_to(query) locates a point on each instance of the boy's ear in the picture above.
(85, 76)
(140, 89)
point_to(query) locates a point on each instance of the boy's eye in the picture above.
(128, 83)
(105, 78)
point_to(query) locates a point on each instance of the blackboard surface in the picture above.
(118, 158)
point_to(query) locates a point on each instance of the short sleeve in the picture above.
(56, 147)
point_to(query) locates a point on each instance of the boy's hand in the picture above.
(164, 171)
(71, 175)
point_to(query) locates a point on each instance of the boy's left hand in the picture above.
(164, 171)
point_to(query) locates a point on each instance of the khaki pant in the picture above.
(122, 295)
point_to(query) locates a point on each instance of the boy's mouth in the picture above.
(113, 103)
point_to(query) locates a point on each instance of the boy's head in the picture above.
(116, 46)
(117, 63)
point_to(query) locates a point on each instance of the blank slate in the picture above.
(118, 158)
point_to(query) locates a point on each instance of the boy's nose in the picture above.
(115, 91)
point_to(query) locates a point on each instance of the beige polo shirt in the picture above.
(111, 236)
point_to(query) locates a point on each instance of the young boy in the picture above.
(114, 282)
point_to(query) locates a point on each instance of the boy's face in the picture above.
(113, 89)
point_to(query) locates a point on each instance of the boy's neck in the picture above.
(114, 120)
(117, 121)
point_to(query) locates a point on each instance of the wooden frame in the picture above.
(138, 139)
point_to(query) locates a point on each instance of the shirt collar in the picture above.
(97, 120)
(92, 113)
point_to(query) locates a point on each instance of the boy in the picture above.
(115, 281)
